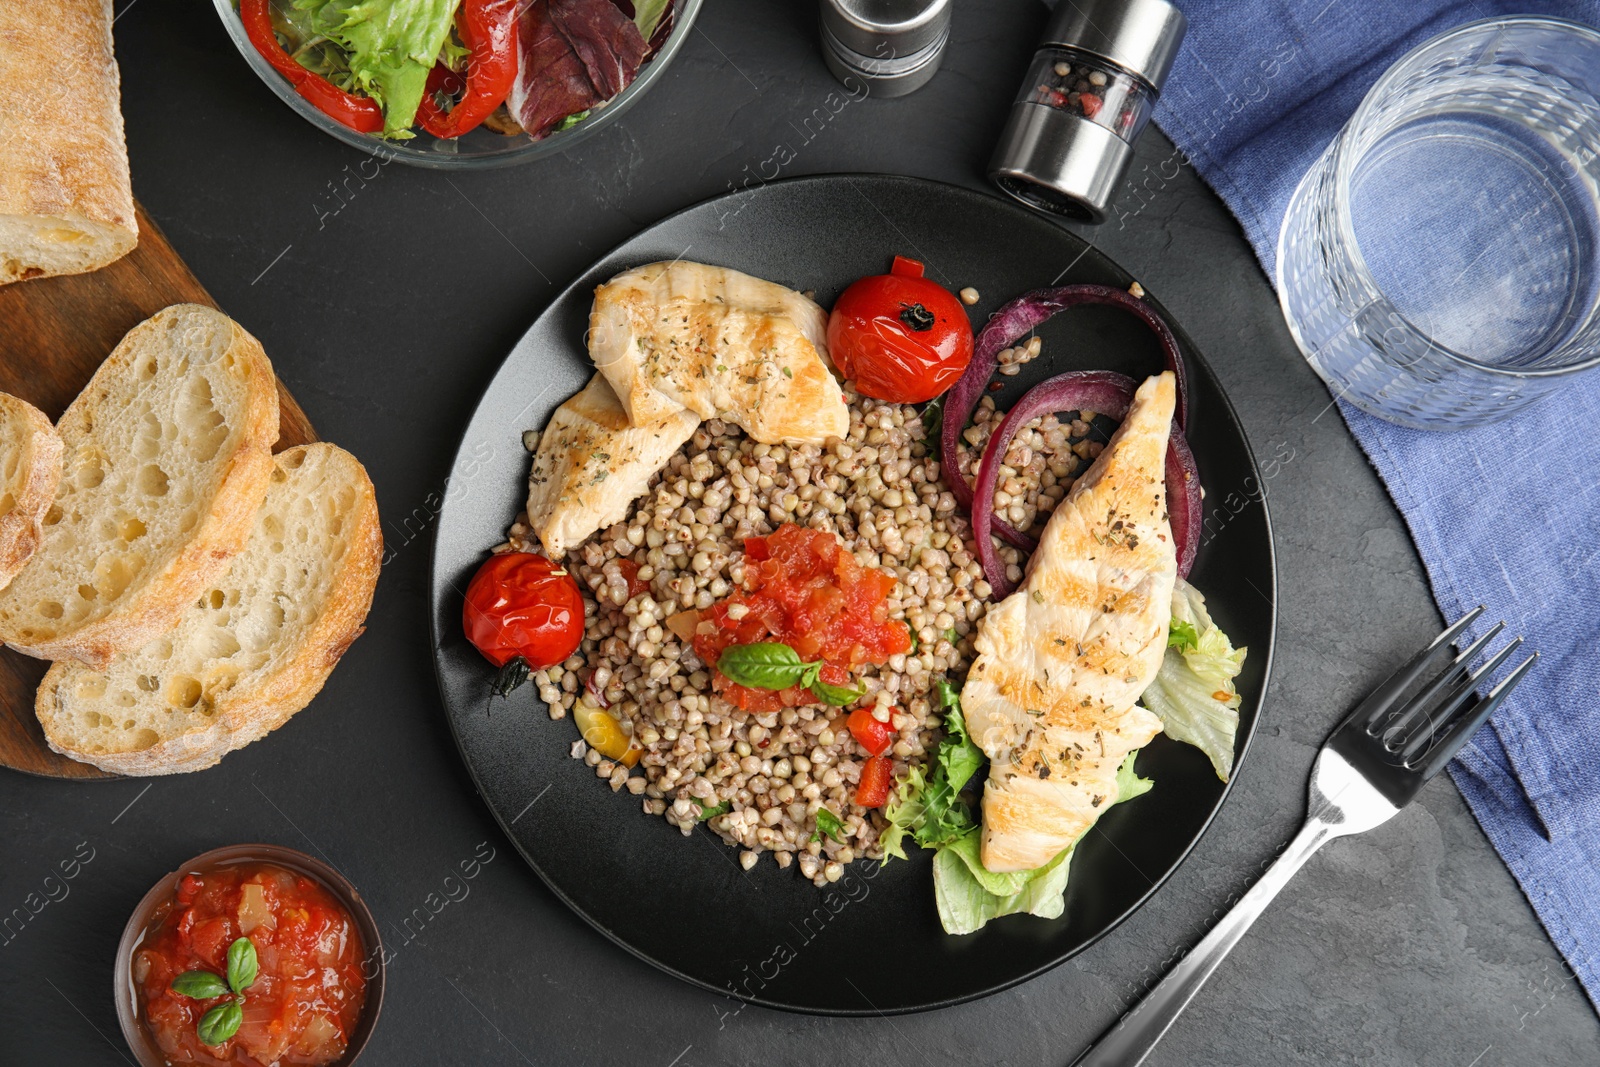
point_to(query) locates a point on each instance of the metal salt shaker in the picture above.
(1088, 94)
(892, 47)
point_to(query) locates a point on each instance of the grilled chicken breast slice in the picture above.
(592, 463)
(1051, 696)
(670, 336)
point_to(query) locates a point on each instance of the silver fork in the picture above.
(1368, 769)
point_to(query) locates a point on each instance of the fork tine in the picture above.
(1444, 712)
(1459, 734)
(1380, 700)
(1428, 696)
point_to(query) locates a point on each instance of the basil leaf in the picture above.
(828, 823)
(711, 813)
(951, 636)
(241, 965)
(201, 985)
(837, 695)
(916, 642)
(764, 665)
(220, 1023)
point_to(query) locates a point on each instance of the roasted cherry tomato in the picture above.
(524, 614)
(900, 336)
(870, 734)
(873, 789)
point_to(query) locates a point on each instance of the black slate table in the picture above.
(385, 304)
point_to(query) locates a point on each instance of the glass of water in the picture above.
(1439, 266)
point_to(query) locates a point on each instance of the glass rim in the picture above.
(520, 150)
(1343, 169)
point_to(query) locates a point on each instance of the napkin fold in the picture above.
(1507, 515)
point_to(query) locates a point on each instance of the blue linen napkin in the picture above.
(1506, 515)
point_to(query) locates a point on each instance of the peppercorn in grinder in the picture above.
(1085, 101)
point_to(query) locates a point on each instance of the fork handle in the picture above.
(1133, 1037)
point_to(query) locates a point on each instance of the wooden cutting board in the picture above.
(54, 334)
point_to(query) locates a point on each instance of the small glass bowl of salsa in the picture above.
(318, 986)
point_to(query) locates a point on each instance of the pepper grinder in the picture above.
(1086, 99)
(892, 47)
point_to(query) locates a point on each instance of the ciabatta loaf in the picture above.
(167, 458)
(251, 650)
(66, 205)
(30, 468)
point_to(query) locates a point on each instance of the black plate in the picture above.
(870, 943)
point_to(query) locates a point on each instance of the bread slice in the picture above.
(66, 205)
(30, 468)
(251, 650)
(167, 458)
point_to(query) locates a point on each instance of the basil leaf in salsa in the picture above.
(765, 665)
(241, 965)
(201, 985)
(220, 1023)
(837, 695)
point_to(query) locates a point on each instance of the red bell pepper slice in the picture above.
(489, 29)
(873, 736)
(873, 789)
(360, 113)
(905, 267)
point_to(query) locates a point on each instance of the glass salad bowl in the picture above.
(479, 148)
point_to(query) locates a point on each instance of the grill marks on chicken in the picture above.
(592, 463)
(1062, 661)
(679, 335)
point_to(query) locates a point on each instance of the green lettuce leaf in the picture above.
(390, 46)
(1006, 884)
(965, 903)
(647, 16)
(968, 895)
(1129, 784)
(1182, 635)
(453, 53)
(928, 805)
(1193, 693)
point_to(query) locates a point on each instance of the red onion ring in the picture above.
(1005, 327)
(1183, 500)
(1111, 394)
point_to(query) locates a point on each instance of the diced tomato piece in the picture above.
(630, 571)
(870, 734)
(188, 889)
(210, 939)
(873, 789)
